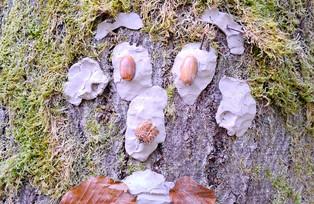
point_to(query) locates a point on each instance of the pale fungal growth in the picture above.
(149, 187)
(132, 70)
(237, 108)
(193, 70)
(232, 30)
(129, 20)
(86, 80)
(145, 123)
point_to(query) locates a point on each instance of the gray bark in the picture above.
(240, 169)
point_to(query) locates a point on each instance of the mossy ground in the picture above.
(40, 40)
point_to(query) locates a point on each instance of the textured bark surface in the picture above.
(240, 169)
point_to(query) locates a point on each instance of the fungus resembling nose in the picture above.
(146, 132)
(127, 68)
(188, 70)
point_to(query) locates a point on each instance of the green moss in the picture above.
(93, 127)
(284, 191)
(133, 167)
(170, 110)
(37, 45)
(170, 92)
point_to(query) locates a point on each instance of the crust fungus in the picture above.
(237, 108)
(86, 80)
(129, 20)
(193, 70)
(232, 30)
(132, 70)
(145, 123)
(149, 187)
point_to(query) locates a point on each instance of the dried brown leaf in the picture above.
(186, 190)
(99, 190)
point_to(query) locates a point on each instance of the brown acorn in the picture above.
(127, 68)
(146, 132)
(188, 70)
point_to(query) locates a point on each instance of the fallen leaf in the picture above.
(186, 190)
(100, 190)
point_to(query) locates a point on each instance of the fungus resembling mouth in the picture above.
(146, 132)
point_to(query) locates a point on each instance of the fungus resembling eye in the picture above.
(132, 70)
(127, 68)
(146, 132)
(193, 70)
(188, 70)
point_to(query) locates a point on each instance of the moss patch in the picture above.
(284, 191)
(38, 43)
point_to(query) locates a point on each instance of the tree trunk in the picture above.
(271, 163)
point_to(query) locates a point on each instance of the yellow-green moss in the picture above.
(170, 110)
(284, 191)
(38, 43)
(136, 166)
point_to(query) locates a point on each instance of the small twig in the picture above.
(234, 29)
(208, 46)
(203, 39)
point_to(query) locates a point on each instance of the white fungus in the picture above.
(86, 80)
(237, 108)
(129, 20)
(149, 187)
(232, 30)
(146, 107)
(206, 60)
(142, 80)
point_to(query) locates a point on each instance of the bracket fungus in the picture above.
(86, 80)
(237, 108)
(129, 20)
(145, 123)
(232, 30)
(149, 187)
(132, 70)
(193, 70)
